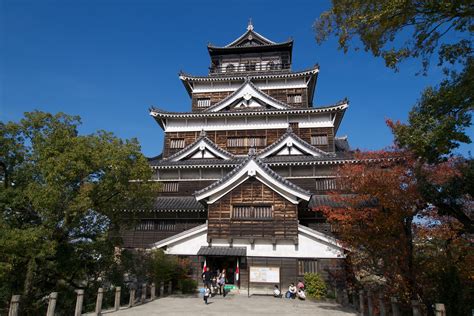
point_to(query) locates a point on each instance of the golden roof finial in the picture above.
(250, 25)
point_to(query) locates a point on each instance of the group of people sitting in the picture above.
(293, 291)
(213, 283)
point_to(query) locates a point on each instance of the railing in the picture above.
(249, 68)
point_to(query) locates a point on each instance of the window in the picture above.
(151, 224)
(319, 139)
(230, 68)
(176, 143)
(250, 66)
(169, 187)
(326, 184)
(295, 98)
(203, 103)
(307, 266)
(252, 212)
(246, 141)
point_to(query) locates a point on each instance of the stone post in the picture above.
(416, 307)
(14, 305)
(162, 289)
(395, 306)
(370, 305)
(53, 297)
(382, 310)
(361, 302)
(345, 298)
(152, 291)
(79, 302)
(170, 287)
(98, 302)
(131, 303)
(143, 293)
(118, 291)
(440, 310)
(354, 299)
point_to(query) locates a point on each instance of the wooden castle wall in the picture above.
(283, 225)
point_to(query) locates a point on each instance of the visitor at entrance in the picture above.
(206, 277)
(291, 291)
(276, 291)
(221, 281)
(300, 285)
(207, 292)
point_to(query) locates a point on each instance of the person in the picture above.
(292, 291)
(207, 292)
(214, 286)
(206, 277)
(301, 295)
(276, 291)
(300, 285)
(222, 282)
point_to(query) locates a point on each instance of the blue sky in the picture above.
(109, 61)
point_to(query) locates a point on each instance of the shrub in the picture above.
(187, 286)
(315, 285)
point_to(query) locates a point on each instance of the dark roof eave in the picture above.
(288, 45)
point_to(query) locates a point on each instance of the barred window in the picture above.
(246, 141)
(326, 184)
(252, 212)
(295, 98)
(320, 139)
(177, 143)
(307, 266)
(152, 224)
(230, 68)
(204, 102)
(169, 187)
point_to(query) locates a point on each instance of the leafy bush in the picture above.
(187, 286)
(315, 285)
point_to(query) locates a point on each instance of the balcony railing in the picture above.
(248, 68)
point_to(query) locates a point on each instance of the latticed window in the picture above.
(295, 98)
(307, 266)
(252, 212)
(246, 141)
(177, 143)
(203, 103)
(159, 225)
(320, 139)
(230, 68)
(169, 187)
(326, 184)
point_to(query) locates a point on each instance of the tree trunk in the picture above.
(410, 273)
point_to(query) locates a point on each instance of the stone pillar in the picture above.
(118, 291)
(170, 287)
(52, 299)
(98, 302)
(361, 302)
(383, 312)
(14, 305)
(79, 302)
(354, 299)
(395, 306)
(152, 291)
(131, 303)
(416, 307)
(162, 289)
(143, 293)
(370, 305)
(440, 310)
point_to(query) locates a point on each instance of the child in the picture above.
(207, 292)
(276, 291)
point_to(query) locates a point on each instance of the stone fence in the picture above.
(15, 303)
(376, 304)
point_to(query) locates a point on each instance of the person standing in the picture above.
(222, 277)
(206, 277)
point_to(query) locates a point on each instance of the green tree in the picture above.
(60, 204)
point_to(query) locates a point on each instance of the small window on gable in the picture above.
(177, 143)
(230, 68)
(295, 98)
(319, 139)
(252, 212)
(271, 65)
(203, 102)
(307, 266)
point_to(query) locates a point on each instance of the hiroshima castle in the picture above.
(244, 171)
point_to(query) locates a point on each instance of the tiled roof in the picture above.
(342, 144)
(177, 203)
(207, 141)
(222, 251)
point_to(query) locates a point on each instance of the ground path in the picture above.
(233, 305)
